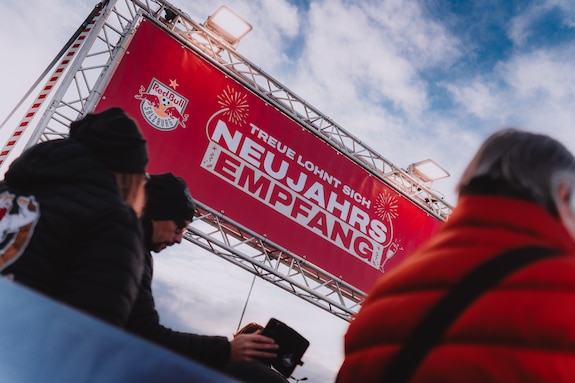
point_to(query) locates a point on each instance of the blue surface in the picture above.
(44, 341)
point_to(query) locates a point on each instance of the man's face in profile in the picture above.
(166, 233)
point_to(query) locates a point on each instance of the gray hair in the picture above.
(521, 165)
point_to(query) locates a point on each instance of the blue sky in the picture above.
(412, 79)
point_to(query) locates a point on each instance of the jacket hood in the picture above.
(56, 162)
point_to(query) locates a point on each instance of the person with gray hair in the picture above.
(520, 165)
(491, 297)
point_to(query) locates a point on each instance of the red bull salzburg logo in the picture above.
(162, 106)
(18, 217)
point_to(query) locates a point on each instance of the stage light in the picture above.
(227, 24)
(427, 171)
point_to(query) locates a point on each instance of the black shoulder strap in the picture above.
(430, 330)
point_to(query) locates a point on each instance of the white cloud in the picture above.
(519, 29)
(542, 91)
(423, 42)
(533, 91)
(280, 15)
(385, 47)
(478, 97)
(542, 76)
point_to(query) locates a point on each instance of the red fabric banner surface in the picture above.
(245, 158)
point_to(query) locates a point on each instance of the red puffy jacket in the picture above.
(523, 330)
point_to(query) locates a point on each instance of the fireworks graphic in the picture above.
(386, 206)
(235, 105)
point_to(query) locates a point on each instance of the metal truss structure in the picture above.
(218, 234)
(79, 85)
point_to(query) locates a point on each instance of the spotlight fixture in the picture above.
(228, 25)
(427, 171)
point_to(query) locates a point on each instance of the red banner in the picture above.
(243, 157)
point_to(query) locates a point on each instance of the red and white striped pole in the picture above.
(76, 43)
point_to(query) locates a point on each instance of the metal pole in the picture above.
(49, 84)
(246, 304)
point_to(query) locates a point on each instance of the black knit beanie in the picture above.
(115, 138)
(168, 198)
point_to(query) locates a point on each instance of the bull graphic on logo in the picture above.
(175, 114)
(152, 99)
(16, 225)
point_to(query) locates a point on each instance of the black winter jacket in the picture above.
(213, 351)
(86, 250)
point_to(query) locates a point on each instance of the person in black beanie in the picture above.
(79, 239)
(168, 212)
